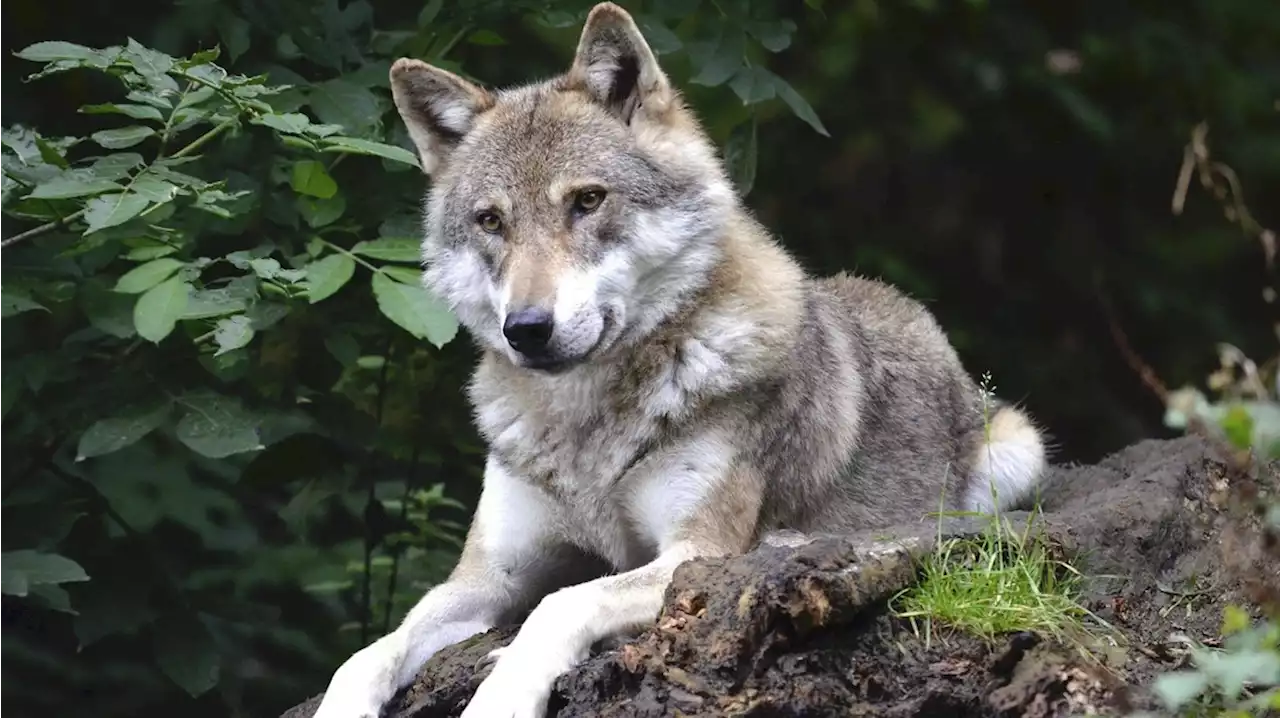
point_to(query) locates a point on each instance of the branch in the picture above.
(196, 144)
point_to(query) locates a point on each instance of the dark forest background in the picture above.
(235, 445)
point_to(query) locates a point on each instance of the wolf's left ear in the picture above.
(615, 65)
(438, 108)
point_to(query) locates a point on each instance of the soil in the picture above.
(800, 626)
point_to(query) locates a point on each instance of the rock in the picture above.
(799, 625)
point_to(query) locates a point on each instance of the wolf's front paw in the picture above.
(361, 685)
(348, 706)
(519, 685)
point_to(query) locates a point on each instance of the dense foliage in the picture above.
(235, 445)
(223, 381)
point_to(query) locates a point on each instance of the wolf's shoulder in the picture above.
(872, 301)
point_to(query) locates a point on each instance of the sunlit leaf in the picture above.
(311, 178)
(22, 569)
(232, 333)
(110, 210)
(327, 275)
(159, 308)
(123, 137)
(415, 309)
(391, 249)
(145, 276)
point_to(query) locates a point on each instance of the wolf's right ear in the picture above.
(438, 108)
(615, 65)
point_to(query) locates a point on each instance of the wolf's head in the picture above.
(571, 216)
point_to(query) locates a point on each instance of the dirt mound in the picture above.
(798, 627)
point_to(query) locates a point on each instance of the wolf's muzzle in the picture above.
(529, 330)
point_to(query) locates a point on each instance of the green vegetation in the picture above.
(1000, 582)
(235, 441)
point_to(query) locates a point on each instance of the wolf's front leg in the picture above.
(692, 504)
(560, 631)
(511, 558)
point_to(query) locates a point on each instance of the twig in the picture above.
(42, 229)
(409, 483)
(366, 589)
(1140, 367)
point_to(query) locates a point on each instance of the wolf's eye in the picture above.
(489, 222)
(587, 200)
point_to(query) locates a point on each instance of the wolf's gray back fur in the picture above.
(660, 380)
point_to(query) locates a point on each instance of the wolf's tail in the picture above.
(1010, 461)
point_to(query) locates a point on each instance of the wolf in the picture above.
(659, 380)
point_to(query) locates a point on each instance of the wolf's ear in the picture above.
(437, 107)
(615, 65)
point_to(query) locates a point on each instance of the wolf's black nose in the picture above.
(529, 330)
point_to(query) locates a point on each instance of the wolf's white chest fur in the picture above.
(616, 493)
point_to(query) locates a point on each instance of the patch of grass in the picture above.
(1002, 581)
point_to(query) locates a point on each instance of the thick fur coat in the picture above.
(660, 380)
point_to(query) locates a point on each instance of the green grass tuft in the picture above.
(997, 583)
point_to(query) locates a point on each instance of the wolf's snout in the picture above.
(529, 330)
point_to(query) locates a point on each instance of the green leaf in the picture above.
(137, 112)
(209, 303)
(798, 104)
(774, 36)
(320, 212)
(112, 434)
(186, 653)
(718, 59)
(486, 37)
(217, 426)
(753, 85)
(232, 333)
(660, 38)
(234, 33)
(741, 153)
(367, 147)
(110, 210)
(343, 347)
(1237, 424)
(341, 102)
(415, 309)
(159, 308)
(391, 249)
(54, 598)
(52, 154)
(406, 275)
(154, 189)
(10, 392)
(58, 50)
(311, 178)
(123, 137)
(428, 13)
(149, 252)
(145, 276)
(291, 123)
(151, 64)
(20, 570)
(263, 315)
(326, 276)
(13, 303)
(73, 184)
(116, 166)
